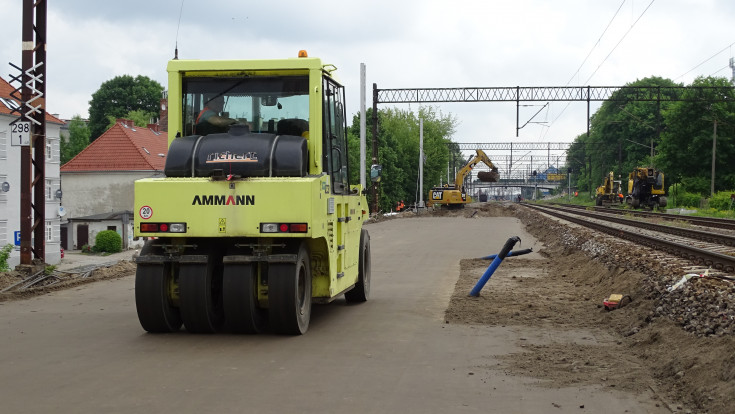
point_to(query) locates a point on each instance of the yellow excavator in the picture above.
(610, 192)
(455, 196)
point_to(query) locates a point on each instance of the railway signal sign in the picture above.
(20, 134)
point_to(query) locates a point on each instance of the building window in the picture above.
(113, 228)
(3, 195)
(49, 196)
(49, 153)
(3, 231)
(3, 146)
(49, 231)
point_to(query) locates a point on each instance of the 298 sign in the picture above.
(20, 134)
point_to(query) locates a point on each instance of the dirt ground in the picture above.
(60, 279)
(578, 342)
(575, 341)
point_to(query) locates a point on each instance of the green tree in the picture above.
(578, 155)
(119, 96)
(624, 131)
(76, 141)
(398, 152)
(139, 117)
(685, 153)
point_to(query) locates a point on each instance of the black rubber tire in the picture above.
(361, 291)
(200, 296)
(156, 312)
(240, 299)
(153, 302)
(289, 295)
(598, 201)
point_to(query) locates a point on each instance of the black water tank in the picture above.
(239, 153)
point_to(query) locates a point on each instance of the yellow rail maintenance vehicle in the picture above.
(255, 218)
(646, 188)
(455, 196)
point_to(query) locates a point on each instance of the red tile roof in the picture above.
(6, 102)
(123, 147)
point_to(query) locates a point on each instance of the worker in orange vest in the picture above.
(400, 206)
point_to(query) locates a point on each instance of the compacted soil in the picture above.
(660, 341)
(680, 345)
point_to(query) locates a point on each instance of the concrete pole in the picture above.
(714, 152)
(421, 163)
(363, 179)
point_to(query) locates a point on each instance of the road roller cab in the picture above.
(255, 218)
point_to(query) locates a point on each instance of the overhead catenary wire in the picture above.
(592, 49)
(620, 41)
(705, 61)
(719, 70)
(597, 43)
(605, 59)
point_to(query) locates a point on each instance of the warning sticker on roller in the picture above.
(223, 225)
(146, 212)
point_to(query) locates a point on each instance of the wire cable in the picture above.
(620, 41)
(606, 57)
(706, 60)
(597, 43)
(542, 134)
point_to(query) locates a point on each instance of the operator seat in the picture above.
(292, 126)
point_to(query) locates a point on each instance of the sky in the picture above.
(404, 44)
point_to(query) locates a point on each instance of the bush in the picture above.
(696, 184)
(679, 197)
(688, 200)
(721, 200)
(4, 255)
(108, 241)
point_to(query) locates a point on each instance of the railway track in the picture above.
(718, 223)
(700, 247)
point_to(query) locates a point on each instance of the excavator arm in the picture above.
(480, 156)
(455, 196)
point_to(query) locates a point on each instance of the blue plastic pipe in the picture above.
(513, 253)
(494, 265)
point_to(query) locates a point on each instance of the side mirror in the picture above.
(375, 171)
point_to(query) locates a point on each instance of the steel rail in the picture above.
(718, 261)
(706, 236)
(721, 223)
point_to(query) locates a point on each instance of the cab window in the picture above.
(259, 102)
(335, 136)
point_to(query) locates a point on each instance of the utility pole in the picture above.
(714, 152)
(363, 179)
(32, 115)
(421, 163)
(374, 188)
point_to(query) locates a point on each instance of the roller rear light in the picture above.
(163, 227)
(284, 228)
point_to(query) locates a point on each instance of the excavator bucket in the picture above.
(488, 176)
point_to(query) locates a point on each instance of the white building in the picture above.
(99, 182)
(10, 182)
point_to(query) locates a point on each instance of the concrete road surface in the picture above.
(83, 351)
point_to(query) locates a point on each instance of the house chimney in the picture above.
(163, 108)
(153, 127)
(127, 122)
